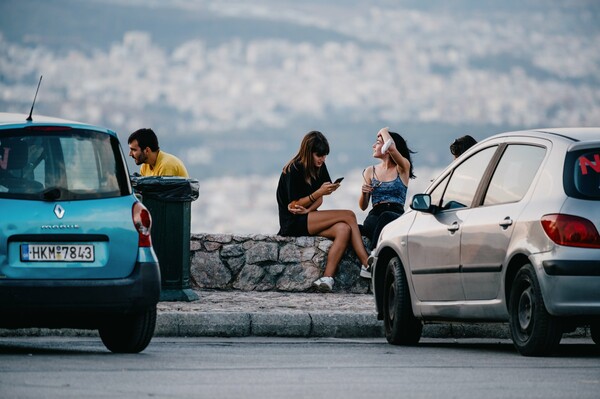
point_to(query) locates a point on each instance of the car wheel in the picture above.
(595, 332)
(534, 331)
(129, 333)
(401, 326)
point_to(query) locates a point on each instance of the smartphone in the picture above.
(338, 180)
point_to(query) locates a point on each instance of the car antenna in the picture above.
(29, 118)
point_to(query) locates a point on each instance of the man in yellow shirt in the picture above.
(144, 149)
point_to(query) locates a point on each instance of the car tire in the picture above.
(595, 332)
(534, 331)
(129, 333)
(401, 326)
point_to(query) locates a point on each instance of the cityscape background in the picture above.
(231, 87)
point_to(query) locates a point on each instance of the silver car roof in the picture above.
(568, 133)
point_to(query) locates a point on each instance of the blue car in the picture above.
(75, 247)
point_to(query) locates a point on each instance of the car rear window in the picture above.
(582, 174)
(67, 164)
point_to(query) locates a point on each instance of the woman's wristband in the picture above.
(310, 197)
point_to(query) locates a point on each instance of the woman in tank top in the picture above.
(385, 185)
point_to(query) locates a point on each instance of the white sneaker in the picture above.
(365, 271)
(324, 284)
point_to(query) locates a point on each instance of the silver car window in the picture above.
(465, 180)
(514, 174)
(438, 191)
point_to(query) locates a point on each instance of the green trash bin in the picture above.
(169, 200)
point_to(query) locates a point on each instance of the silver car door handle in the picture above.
(506, 222)
(453, 227)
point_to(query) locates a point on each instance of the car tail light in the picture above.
(571, 231)
(143, 223)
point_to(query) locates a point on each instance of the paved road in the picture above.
(252, 367)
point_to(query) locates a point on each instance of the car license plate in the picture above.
(57, 253)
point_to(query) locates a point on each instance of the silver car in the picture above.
(507, 233)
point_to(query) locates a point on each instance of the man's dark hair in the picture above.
(461, 145)
(145, 138)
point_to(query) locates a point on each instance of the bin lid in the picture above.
(166, 188)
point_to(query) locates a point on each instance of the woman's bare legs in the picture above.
(340, 234)
(323, 223)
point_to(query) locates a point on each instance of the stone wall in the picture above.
(268, 263)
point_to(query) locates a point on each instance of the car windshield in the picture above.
(60, 163)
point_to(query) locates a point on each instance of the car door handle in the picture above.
(506, 222)
(453, 228)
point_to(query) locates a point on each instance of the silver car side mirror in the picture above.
(421, 202)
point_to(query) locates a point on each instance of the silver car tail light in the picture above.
(571, 231)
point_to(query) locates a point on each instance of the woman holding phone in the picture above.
(385, 185)
(303, 183)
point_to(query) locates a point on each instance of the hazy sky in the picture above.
(232, 86)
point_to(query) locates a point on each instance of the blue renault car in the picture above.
(75, 247)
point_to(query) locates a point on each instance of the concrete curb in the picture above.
(242, 324)
(313, 324)
(317, 324)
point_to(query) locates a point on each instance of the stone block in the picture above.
(220, 238)
(289, 253)
(232, 250)
(262, 252)
(344, 325)
(280, 325)
(223, 324)
(235, 265)
(249, 277)
(298, 277)
(208, 271)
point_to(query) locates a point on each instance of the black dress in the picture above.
(291, 187)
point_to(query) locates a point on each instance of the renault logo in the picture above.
(59, 211)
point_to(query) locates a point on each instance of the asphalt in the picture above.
(236, 313)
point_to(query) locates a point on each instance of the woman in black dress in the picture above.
(302, 185)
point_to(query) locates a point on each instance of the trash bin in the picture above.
(168, 200)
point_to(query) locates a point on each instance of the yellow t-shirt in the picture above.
(166, 165)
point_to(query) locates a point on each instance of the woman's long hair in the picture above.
(404, 150)
(313, 142)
